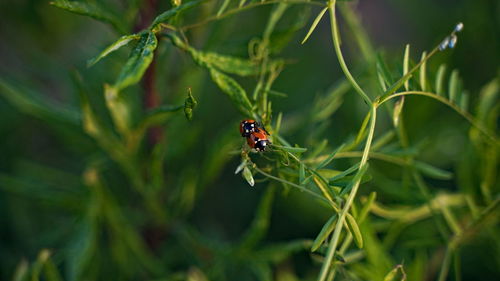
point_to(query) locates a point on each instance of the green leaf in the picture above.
(230, 64)
(440, 80)
(384, 75)
(36, 105)
(330, 157)
(233, 90)
(139, 60)
(398, 109)
(488, 99)
(367, 206)
(464, 101)
(314, 24)
(119, 108)
(432, 171)
(354, 229)
(189, 104)
(343, 174)
(302, 173)
(406, 64)
(122, 41)
(247, 175)
(223, 7)
(394, 276)
(167, 15)
(323, 234)
(291, 149)
(91, 10)
(159, 115)
(358, 177)
(454, 86)
(21, 271)
(423, 72)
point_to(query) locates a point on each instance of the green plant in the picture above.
(144, 180)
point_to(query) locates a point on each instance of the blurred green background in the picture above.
(59, 190)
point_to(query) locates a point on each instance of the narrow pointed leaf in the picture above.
(464, 101)
(302, 173)
(440, 80)
(223, 7)
(330, 157)
(423, 72)
(122, 41)
(189, 104)
(432, 171)
(139, 60)
(291, 149)
(233, 90)
(398, 109)
(406, 64)
(454, 86)
(167, 15)
(354, 229)
(323, 234)
(343, 174)
(367, 206)
(314, 24)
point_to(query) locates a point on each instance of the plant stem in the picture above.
(453, 106)
(336, 43)
(338, 228)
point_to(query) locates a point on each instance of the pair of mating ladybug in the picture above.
(257, 136)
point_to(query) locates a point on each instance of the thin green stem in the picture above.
(247, 7)
(338, 228)
(336, 43)
(301, 188)
(453, 106)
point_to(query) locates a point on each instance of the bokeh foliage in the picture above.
(119, 140)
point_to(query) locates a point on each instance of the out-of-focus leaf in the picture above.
(122, 41)
(278, 252)
(40, 107)
(291, 149)
(138, 62)
(327, 105)
(440, 80)
(21, 271)
(464, 101)
(366, 207)
(91, 10)
(223, 7)
(454, 87)
(432, 171)
(118, 107)
(233, 90)
(358, 177)
(167, 15)
(354, 229)
(302, 173)
(394, 276)
(260, 223)
(323, 234)
(488, 99)
(330, 157)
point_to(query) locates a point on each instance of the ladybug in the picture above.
(258, 140)
(249, 126)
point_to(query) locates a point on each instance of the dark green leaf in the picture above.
(138, 62)
(323, 234)
(291, 149)
(343, 174)
(432, 171)
(167, 15)
(454, 87)
(122, 41)
(91, 10)
(354, 229)
(440, 80)
(233, 90)
(189, 104)
(358, 177)
(330, 157)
